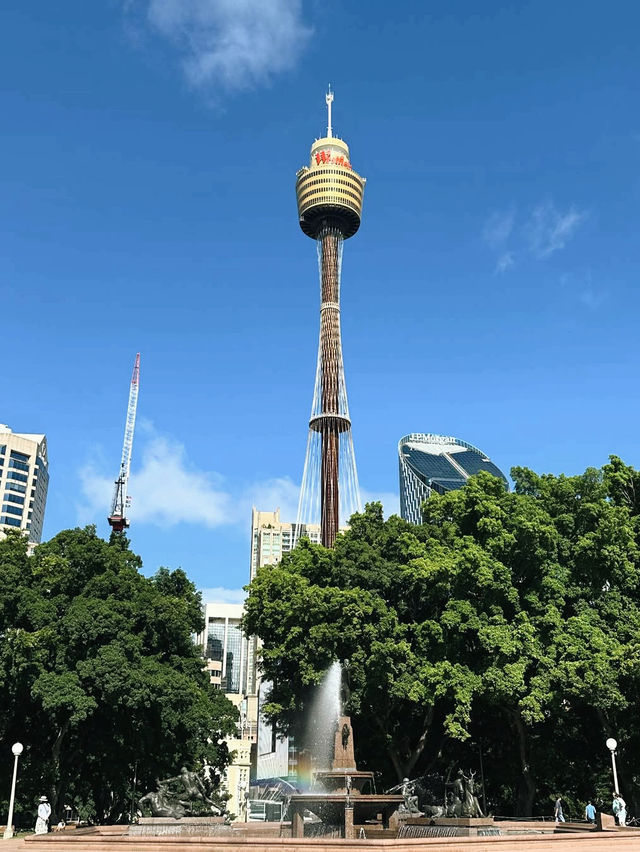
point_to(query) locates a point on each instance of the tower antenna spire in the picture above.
(329, 99)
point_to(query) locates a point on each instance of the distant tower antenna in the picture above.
(118, 519)
(329, 99)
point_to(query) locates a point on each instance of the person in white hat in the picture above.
(44, 812)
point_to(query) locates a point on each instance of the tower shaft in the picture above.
(329, 249)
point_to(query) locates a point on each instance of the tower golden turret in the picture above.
(328, 190)
(329, 194)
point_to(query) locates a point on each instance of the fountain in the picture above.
(342, 795)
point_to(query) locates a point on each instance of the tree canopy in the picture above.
(99, 676)
(506, 624)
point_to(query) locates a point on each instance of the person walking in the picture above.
(44, 812)
(619, 808)
(557, 810)
(590, 813)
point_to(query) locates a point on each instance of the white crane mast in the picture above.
(117, 518)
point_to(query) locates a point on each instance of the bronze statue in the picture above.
(410, 804)
(461, 800)
(471, 805)
(182, 795)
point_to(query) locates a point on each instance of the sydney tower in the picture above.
(329, 194)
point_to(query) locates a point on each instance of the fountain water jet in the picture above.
(323, 717)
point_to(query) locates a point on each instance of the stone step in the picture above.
(102, 841)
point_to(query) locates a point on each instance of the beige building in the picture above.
(24, 481)
(271, 538)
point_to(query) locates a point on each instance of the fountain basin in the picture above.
(336, 809)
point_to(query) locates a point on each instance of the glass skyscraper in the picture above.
(437, 463)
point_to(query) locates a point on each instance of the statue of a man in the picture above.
(345, 689)
(409, 796)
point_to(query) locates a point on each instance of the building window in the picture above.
(14, 498)
(215, 639)
(12, 510)
(18, 465)
(233, 675)
(19, 456)
(15, 486)
(12, 474)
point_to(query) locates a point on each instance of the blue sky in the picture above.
(147, 204)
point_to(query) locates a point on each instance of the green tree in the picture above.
(101, 679)
(506, 620)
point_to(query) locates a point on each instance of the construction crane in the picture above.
(117, 519)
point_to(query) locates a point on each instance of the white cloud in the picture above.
(218, 594)
(97, 492)
(505, 261)
(498, 227)
(167, 489)
(548, 229)
(231, 45)
(273, 494)
(545, 230)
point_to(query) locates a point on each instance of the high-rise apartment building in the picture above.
(24, 481)
(437, 463)
(271, 538)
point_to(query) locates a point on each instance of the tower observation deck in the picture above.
(329, 194)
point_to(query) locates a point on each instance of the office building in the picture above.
(231, 664)
(437, 463)
(24, 482)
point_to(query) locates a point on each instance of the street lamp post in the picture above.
(16, 748)
(612, 745)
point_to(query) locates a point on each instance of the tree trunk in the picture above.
(526, 791)
(56, 751)
(405, 764)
